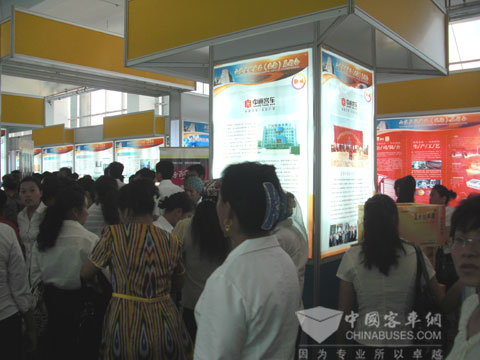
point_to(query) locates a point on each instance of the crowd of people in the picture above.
(211, 270)
(150, 270)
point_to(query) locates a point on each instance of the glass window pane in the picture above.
(455, 67)
(452, 46)
(206, 89)
(98, 102)
(114, 101)
(97, 120)
(467, 34)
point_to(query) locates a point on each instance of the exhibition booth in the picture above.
(296, 87)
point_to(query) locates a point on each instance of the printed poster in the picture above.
(3, 153)
(183, 158)
(441, 149)
(54, 158)
(37, 160)
(347, 173)
(92, 159)
(262, 111)
(136, 154)
(195, 134)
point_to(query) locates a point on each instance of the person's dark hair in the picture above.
(406, 189)
(199, 169)
(75, 176)
(31, 179)
(466, 216)
(88, 185)
(66, 171)
(52, 185)
(145, 173)
(179, 200)
(115, 170)
(381, 237)
(165, 168)
(137, 196)
(16, 173)
(242, 187)
(68, 198)
(207, 234)
(444, 192)
(3, 200)
(107, 196)
(10, 182)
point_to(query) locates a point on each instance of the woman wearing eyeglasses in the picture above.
(465, 230)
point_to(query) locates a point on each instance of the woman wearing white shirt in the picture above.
(465, 246)
(247, 309)
(176, 207)
(31, 216)
(63, 244)
(380, 274)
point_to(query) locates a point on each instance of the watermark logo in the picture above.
(320, 322)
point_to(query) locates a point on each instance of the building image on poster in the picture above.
(347, 172)
(136, 154)
(195, 134)
(54, 158)
(440, 149)
(262, 111)
(37, 160)
(92, 159)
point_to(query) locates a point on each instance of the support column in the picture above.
(85, 109)
(175, 115)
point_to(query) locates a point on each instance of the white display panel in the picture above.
(136, 154)
(54, 158)
(3, 153)
(347, 171)
(91, 159)
(262, 111)
(37, 160)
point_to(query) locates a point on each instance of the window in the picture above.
(464, 44)
(201, 88)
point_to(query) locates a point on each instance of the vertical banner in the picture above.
(37, 160)
(136, 154)
(195, 134)
(92, 159)
(441, 149)
(54, 158)
(3, 153)
(262, 111)
(347, 170)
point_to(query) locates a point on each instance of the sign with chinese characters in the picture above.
(262, 111)
(92, 159)
(136, 154)
(54, 158)
(441, 149)
(347, 172)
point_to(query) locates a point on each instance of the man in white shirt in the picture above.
(164, 172)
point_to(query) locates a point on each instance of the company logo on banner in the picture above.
(299, 81)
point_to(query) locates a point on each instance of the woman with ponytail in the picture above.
(62, 246)
(247, 309)
(380, 274)
(104, 211)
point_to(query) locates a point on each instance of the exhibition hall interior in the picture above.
(344, 134)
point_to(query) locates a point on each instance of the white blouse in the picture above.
(463, 348)
(60, 265)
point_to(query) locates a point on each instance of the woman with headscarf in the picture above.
(247, 309)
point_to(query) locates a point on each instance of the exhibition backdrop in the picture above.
(347, 170)
(182, 158)
(441, 149)
(54, 158)
(92, 159)
(262, 111)
(3, 151)
(37, 160)
(135, 154)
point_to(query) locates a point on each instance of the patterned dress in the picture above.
(141, 321)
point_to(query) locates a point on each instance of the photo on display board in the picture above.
(348, 149)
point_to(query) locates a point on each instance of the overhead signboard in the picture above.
(347, 170)
(262, 111)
